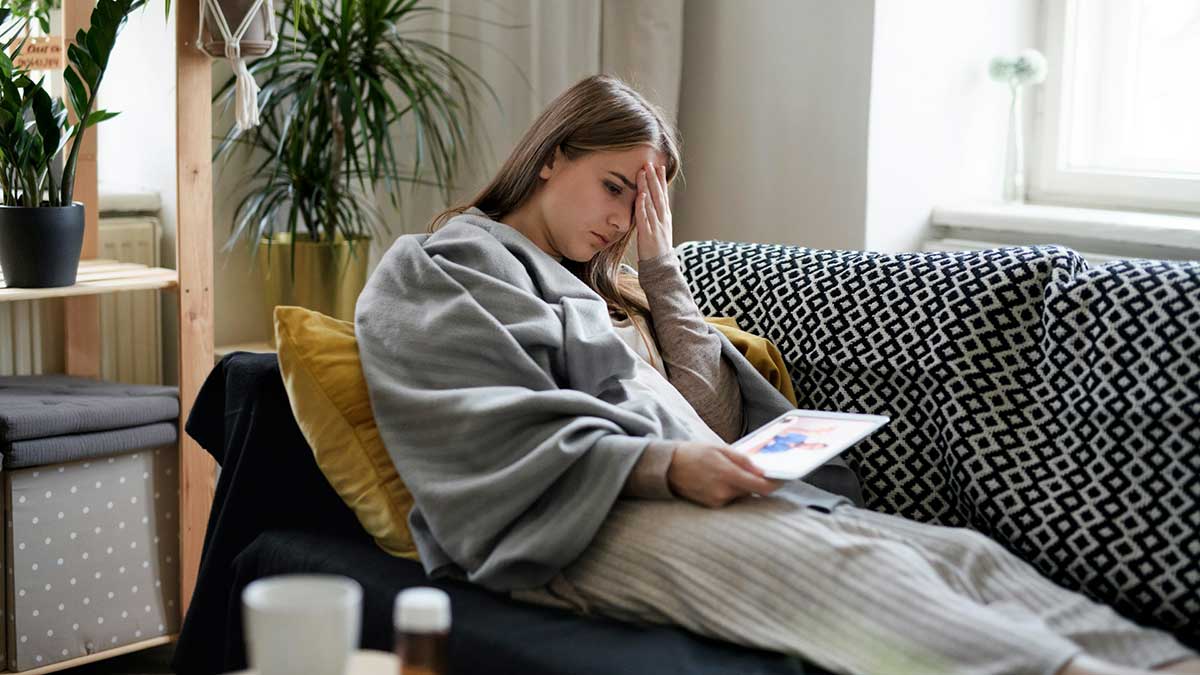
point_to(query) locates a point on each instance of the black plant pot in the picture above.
(40, 246)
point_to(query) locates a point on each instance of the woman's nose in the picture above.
(622, 221)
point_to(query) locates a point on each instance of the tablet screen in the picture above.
(795, 445)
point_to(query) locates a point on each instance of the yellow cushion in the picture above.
(318, 356)
(760, 352)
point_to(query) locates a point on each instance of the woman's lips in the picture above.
(600, 239)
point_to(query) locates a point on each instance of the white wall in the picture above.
(841, 125)
(773, 114)
(136, 149)
(937, 123)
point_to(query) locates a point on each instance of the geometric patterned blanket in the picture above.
(1048, 404)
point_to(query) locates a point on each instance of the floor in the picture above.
(156, 661)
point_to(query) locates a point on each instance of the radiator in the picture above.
(31, 331)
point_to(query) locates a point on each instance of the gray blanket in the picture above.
(75, 447)
(495, 378)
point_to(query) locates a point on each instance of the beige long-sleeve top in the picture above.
(691, 355)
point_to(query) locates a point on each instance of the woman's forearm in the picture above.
(691, 351)
(648, 479)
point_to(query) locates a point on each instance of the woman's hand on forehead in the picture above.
(652, 212)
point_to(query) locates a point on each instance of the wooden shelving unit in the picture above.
(192, 280)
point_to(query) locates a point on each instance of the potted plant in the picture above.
(344, 78)
(41, 227)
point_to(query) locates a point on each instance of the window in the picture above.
(1119, 114)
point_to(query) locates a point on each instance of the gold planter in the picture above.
(328, 279)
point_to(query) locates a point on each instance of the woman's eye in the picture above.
(613, 188)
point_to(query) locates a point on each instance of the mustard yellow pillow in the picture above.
(318, 357)
(760, 352)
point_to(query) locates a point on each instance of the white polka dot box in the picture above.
(92, 556)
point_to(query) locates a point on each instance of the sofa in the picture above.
(1051, 405)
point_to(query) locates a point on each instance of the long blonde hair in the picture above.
(598, 113)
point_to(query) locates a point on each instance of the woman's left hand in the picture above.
(652, 212)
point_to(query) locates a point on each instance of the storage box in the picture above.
(92, 555)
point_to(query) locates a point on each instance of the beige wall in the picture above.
(773, 114)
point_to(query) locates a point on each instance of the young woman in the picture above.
(563, 424)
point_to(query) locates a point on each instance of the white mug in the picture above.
(301, 624)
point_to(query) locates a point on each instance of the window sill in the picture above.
(1106, 232)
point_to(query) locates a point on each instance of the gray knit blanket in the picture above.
(496, 381)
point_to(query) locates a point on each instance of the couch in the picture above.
(1051, 405)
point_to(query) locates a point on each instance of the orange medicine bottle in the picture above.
(422, 622)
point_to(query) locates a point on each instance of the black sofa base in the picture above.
(274, 513)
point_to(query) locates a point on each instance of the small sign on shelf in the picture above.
(44, 52)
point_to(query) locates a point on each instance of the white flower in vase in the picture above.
(1027, 67)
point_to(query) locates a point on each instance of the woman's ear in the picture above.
(555, 160)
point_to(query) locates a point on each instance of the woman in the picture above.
(563, 424)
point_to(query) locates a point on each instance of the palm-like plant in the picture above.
(344, 76)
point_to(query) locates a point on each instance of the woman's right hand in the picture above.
(714, 475)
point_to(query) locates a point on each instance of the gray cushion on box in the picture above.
(53, 405)
(57, 449)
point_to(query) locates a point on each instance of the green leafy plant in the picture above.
(26, 12)
(34, 128)
(344, 78)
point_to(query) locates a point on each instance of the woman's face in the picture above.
(586, 205)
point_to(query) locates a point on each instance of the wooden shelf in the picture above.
(99, 276)
(193, 282)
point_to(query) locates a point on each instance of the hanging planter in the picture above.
(237, 30)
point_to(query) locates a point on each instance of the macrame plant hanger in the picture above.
(255, 37)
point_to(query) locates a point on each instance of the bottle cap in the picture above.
(422, 610)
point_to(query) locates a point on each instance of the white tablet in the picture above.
(794, 444)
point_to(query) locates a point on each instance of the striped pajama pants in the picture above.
(851, 590)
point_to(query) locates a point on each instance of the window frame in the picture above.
(1050, 181)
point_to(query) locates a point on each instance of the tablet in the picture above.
(792, 445)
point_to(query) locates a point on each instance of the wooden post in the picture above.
(194, 261)
(82, 314)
